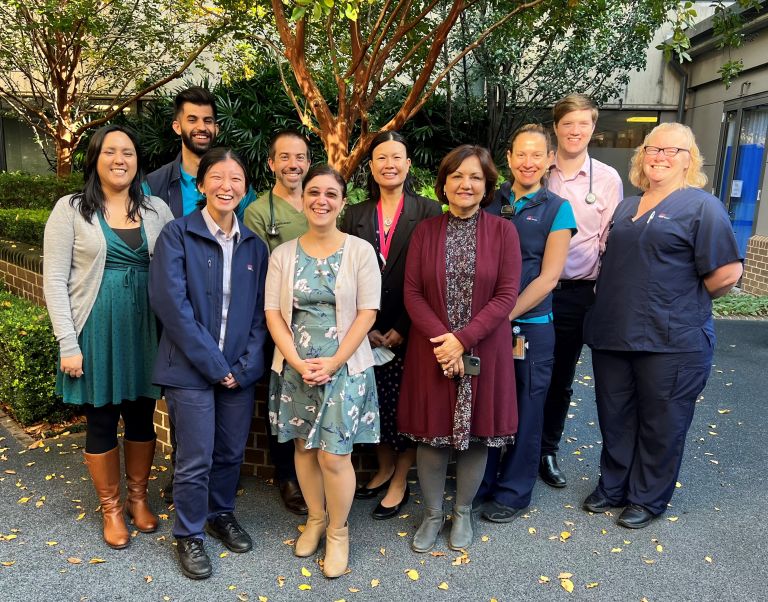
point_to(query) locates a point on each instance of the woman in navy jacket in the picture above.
(207, 288)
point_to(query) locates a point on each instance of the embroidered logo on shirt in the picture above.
(663, 216)
(249, 267)
(531, 218)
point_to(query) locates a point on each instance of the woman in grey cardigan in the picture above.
(97, 247)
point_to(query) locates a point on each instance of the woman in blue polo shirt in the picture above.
(545, 224)
(670, 251)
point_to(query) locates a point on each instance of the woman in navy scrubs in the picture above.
(545, 223)
(670, 251)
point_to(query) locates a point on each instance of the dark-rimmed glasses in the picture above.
(669, 151)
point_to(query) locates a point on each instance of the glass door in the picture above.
(742, 159)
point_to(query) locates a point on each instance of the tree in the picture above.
(67, 66)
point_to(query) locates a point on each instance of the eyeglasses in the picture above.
(669, 151)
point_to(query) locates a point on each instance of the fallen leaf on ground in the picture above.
(567, 585)
(532, 530)
(543, 579)
(289, 542)
(353, 590)
(280, 581)
(673, 519)
(413, 574)
(485, 538)
(659, 548)
(223, 554)
(708, 558)
(305, 586)
(442, 585)
(564, 536)
(437, 554)
(96, 561)
(74, 560)
(591, 585)
(565, 575)
(80, 516)
(148, 578)
(375, 582)
(615, 550)
(8, 563)
(51, 543)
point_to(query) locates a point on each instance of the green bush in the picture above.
(27, 191)
(28, 356)
(24, 225)
(740, 304)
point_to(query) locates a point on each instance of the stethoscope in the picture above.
(272, 229)
(591, 197)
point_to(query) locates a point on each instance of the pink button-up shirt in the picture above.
(588, 243)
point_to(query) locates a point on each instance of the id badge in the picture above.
(518, 346)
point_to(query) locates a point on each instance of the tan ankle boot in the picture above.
(307, 543)
(138, 464)
(105, 474)
(336, 551)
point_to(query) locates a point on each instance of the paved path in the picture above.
(711, 545)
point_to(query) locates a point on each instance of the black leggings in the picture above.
(101, 431)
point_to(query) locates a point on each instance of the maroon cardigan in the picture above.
(427, 397)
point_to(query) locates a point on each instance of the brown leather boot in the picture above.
(138, 463)
(336, 551)
(105, 474)
(307, 543)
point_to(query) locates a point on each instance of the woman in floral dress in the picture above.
(323, 291)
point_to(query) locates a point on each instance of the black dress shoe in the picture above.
(365, 493)
(193, 559)
(293, 500)
(596, 503)
(550, 472)
(499, 513)
(226, 528)
(384, 512)
(635, 516)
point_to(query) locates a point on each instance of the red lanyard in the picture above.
(385, 240)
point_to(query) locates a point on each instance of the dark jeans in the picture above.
(212, 427)
(569, 306)
(645, 404)
(509, 479)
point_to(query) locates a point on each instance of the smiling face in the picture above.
(390, 164)
(223, 187)
(574, 131)
(117, 162)
(290, 163)
(662, 171)
(529, 161)
(197, 127)
(323, 199)
(465, 187)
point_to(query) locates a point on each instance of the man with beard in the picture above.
(277, 217)
(194, 111)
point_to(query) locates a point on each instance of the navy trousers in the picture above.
(645, 404)
(569, 306)
(509, 479)
(212, 427)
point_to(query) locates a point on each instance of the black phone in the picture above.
(471, 364)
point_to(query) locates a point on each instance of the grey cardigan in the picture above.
(74, 256)
(358, 286)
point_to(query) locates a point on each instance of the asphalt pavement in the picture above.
(710, 545)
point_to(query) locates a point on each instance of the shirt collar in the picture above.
(214, 228)
(583, 170)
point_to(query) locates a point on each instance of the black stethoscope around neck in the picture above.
(272, 229)
(591, 197)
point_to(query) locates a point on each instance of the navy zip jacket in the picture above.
(533, 223)
(185, 291)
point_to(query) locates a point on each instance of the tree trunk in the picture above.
(64, 152)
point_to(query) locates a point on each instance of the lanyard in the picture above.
(385, 238)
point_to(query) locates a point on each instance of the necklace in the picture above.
(387, 222)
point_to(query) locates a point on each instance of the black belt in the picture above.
(566, 284)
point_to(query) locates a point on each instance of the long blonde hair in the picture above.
(694, 176)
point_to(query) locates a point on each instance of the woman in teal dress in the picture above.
(322, 294)
(97, 248)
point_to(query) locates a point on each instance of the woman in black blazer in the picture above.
(387, 221)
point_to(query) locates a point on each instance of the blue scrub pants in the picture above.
(212, 427)
(645, 404)
(509, 480)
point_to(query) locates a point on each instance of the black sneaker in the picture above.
(194, 561)
(226, 528)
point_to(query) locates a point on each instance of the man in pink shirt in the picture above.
(594, 189)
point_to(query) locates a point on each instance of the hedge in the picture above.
(26, 191)
(24, 225)
(28, 356)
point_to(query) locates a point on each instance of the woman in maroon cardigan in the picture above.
(461, 282)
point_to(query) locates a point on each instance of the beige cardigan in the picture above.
(358, 286)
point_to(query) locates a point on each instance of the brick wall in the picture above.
(755, 279)
(21, 267)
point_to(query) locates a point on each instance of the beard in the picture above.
(195, 147)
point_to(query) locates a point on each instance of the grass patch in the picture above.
(740, 304)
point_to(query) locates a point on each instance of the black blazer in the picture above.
(359, 220)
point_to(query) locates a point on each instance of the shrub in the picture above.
(27, 191)
(28, 356)
(24, 225)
